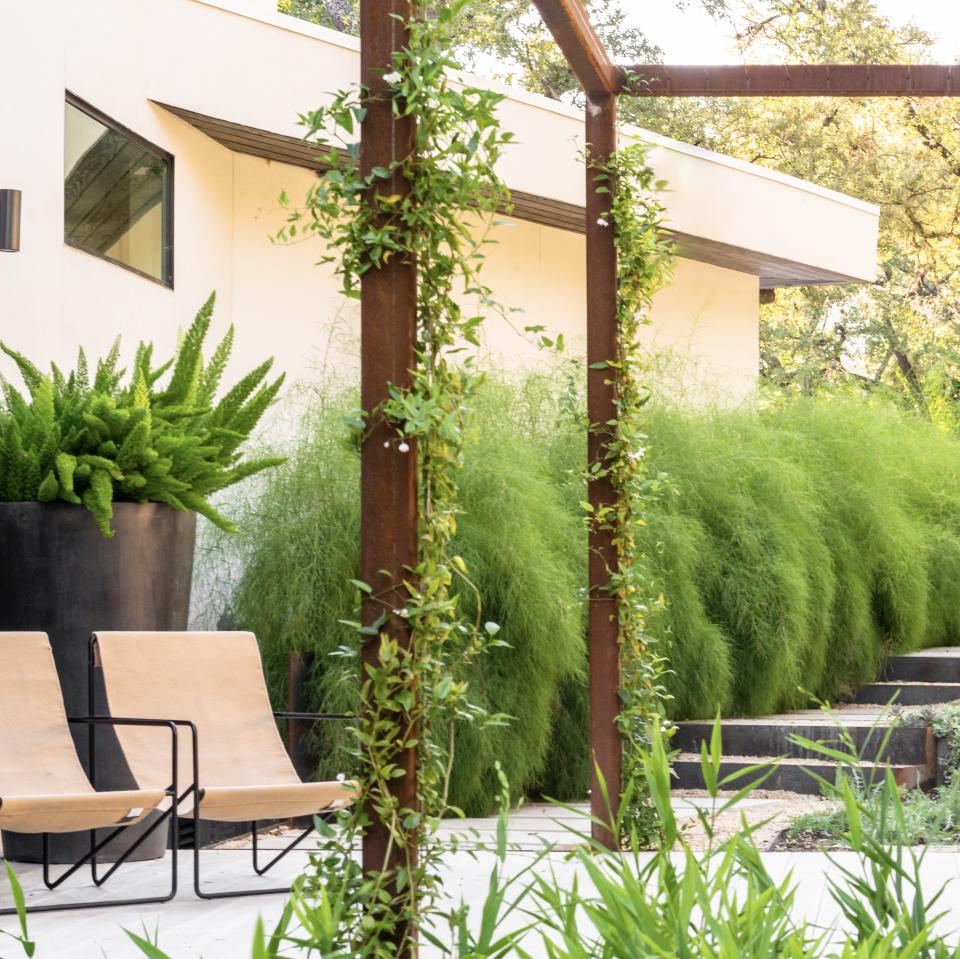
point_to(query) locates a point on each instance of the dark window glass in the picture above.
(117, 193)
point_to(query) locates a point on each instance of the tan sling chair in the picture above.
(43, 788)
(213, 684)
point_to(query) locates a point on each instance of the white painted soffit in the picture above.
(773, 271)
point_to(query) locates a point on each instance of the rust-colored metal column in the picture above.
(388, 476)
(604, 650)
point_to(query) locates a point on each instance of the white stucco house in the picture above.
(151, 140)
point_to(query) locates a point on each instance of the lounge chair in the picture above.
(213, 684)
(43, 788)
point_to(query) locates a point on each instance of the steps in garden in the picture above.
(909, 694)
(747, 742)
(789, 775)
(916, 679)
(929, 666)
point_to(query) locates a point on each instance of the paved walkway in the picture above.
(193, 929)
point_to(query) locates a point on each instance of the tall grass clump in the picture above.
(802, 544)
(525, 551)
(797, 544)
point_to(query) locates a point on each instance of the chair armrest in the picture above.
(313, 717)
(171, 724)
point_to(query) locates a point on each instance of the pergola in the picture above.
(388, 324)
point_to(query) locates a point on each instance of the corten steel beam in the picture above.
(570, 25)
(388, 477)
(791, 80)
(604, 646)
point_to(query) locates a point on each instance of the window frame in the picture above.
(166, 280)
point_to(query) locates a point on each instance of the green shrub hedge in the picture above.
(797, 546)
(802, 545)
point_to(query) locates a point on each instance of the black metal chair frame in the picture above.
(197, 792)
(257, 868)
(90, 857)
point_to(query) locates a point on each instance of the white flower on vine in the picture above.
(386, 445)
(602, 222)
(402, 613)
(637, 454)
(341, 777)
(404, 447)
(392, 78)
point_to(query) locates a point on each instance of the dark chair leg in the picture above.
(89, 857)
(233, 894)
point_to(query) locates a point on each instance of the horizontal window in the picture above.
(118, 192)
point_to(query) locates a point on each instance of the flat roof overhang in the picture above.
(774, 272)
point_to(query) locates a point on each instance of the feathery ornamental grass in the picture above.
(804, 543)
(93, 441)
(798, 544)
(521, 539)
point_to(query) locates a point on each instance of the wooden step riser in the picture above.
(923, 669)
(792, 778)
(923, 695)
(906, 746)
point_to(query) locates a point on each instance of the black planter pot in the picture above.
(59, 574)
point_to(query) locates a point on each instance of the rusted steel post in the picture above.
(388, 476)
(604, 650)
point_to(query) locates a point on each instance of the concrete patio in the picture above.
(188, 928)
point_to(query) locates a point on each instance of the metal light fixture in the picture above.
(9, 221)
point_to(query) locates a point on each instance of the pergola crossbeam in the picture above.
(570, 25)
(791, 80)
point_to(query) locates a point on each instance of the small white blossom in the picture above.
(404, 447)
(341, 777)
(387, 444)
(392, 78)
(637, 454)
(404, 613)
(602, 222)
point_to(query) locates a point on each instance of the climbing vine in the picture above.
(411, 697)
(644, 258)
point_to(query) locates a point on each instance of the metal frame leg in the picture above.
(95, 847)
(233, 894)
(88, 858)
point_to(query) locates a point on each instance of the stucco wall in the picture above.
(260, 68)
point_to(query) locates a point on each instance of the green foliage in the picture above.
(803, 543)
(724, 902)
(887, 814)
(512, 33)
(798, 546)
(928, 818)
(521, 540)
(100, 442)
(22, 937)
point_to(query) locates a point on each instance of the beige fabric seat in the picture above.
(43, 787)
(216, 681)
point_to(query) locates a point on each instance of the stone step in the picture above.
(771, 736)
(940, 665)
(789, 775)
(909, 694)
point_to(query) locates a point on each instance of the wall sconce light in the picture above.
(9, 221)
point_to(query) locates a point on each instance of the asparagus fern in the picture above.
(100, 442)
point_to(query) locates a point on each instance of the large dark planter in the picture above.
(59, 574)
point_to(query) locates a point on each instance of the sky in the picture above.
(690, 36)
